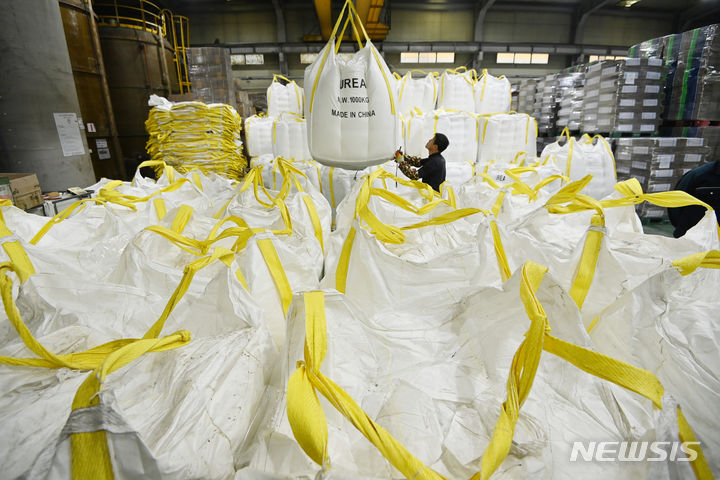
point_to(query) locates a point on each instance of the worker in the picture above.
(430, 170)
(702, 183)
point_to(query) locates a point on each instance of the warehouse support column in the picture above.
(481, 9)
(41, 128)
(281, 36)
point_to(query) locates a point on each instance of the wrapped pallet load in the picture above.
(417, 93)
(259, 135)
(505, 136)
(492, 94)
(351, 111)
(587, 156)
(457, 90)
(289, 137)
(288, 97)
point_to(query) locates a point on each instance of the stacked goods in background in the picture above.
(545, 111)
(211, 75)
(570, 100)
(195, 136)
(526, 95)
(652, 48)
(245, 106)
(601, 81)
(658, 164)
(640, 93)
(623, 96)
(694, 86)
(711, 136)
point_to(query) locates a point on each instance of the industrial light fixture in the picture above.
(626, 3)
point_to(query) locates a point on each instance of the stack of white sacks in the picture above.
(425, 309)
(473, 113)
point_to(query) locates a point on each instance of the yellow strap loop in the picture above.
(62, 216)
(699, 465)
(341, 272)
(687, 265)
(277, 272)
(585, 270)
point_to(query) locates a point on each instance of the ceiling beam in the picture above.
(324, 13)
(363, 9)
(458, 47)
(686, 17)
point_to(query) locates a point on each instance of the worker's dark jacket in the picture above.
(704, 184)
(432, 170)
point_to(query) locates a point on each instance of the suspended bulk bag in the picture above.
(352, 119)
(420, 93)
(258, 135)
(504, 136)
(457, 90)
(289, 137)
(492, 94)
(589, 156)
(284, 98)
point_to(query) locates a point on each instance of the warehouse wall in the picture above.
(238, 27)
(526, 27)
(414, 25)
(624, 31)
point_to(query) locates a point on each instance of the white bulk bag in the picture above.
(147, 406)
(445, 412)
(290, 137)
(667, 325)
(504, 136)
(284, 98)
(492, 94)
(460, 128)
(588, 156)
(458, 173)
(420, 93)
(351, 111)
(417, 130)
(457, 90)
(258, 135)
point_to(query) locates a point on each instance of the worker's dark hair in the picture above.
(441, 141)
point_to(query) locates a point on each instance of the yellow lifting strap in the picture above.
(309, 425)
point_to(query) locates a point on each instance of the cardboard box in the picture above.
(25, 188)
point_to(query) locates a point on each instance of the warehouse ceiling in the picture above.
(683, 13)
(664, 6)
